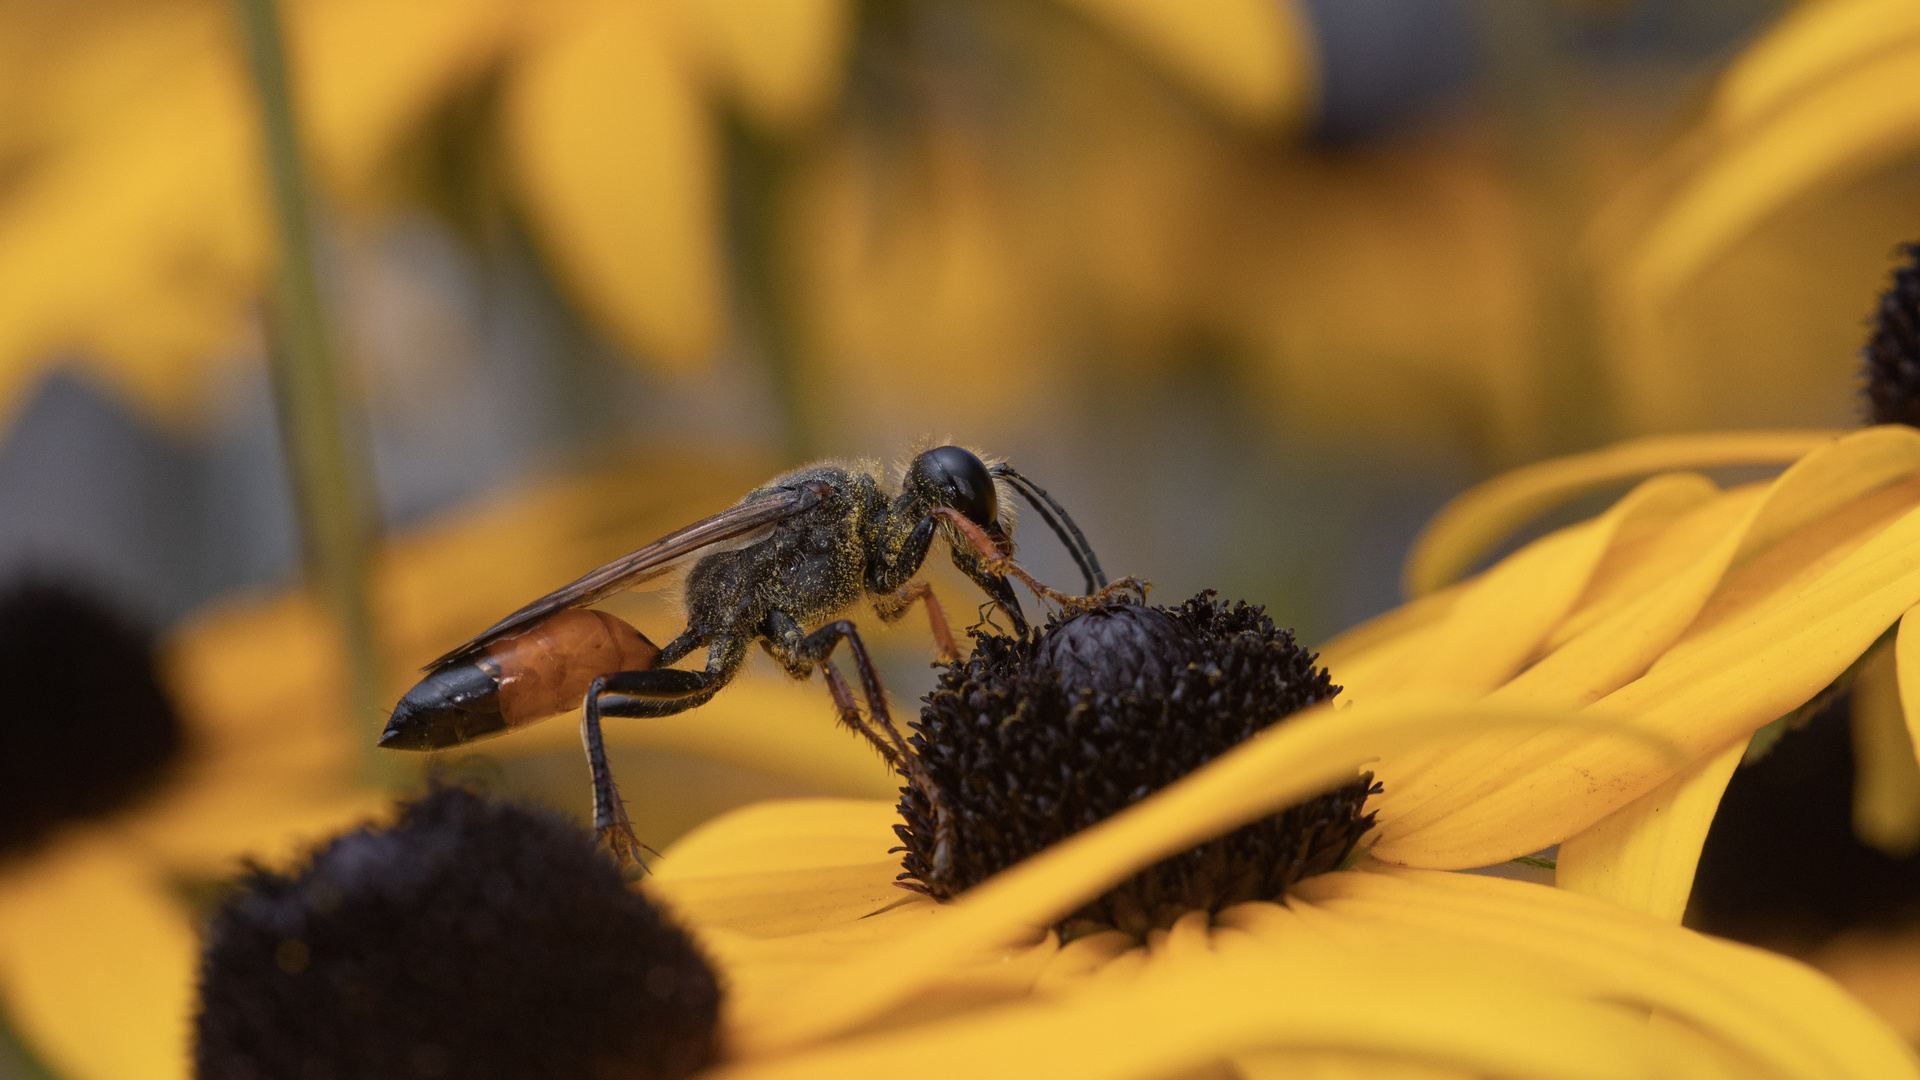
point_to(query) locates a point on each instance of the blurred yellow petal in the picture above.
(783, 59)
(370, 71)
(97, 963)
(614, 158)
(1809, 44)
(1643, 855)
(1886, 776)
(1866, 115)
(152, 215)
(1251, 59)
(1473, 523)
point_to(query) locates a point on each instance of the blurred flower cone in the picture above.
(1357, 972)
(1730, 268)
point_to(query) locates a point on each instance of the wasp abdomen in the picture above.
(548, 669)
(516, 681)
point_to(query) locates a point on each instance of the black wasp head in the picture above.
(954, 476)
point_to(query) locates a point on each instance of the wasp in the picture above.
(778, 569)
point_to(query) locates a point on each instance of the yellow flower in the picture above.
(1594, 690)
(98, 924)
(95, 923)
(133, 229)
(1373, 971)
(1751, 235)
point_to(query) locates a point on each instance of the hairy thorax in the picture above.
(811, 566)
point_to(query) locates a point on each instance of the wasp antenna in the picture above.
(1063, 526)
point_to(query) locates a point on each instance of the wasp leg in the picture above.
(782, 638)
(895, 604)
(815, 648)
(654, 692)
(999, 564)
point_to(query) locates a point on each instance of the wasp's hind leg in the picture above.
(815, 648)
(654, 692)
(895, 604)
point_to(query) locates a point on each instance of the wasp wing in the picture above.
(645, 564)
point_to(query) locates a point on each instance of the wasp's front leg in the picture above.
(895, 604)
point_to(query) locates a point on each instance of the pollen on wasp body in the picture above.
(474, 939)
(1892, 355)
(1029, 741)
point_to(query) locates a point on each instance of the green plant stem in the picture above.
(327, 471)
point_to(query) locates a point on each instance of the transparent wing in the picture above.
(645, 564)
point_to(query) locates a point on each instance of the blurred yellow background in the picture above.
(1252, 286)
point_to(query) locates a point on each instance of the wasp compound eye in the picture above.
(961, 481)
(1032, 740)
(474, 939)
(88, 727)
(1892, 355)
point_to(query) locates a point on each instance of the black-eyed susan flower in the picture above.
(134, 227)
(472, 939)
(1204, 925)
(116, 810)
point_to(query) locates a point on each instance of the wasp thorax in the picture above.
(1030, 741)
(1892, 354)
(475, 939)
(88, 728)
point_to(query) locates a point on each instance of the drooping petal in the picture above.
(614, 158)
(1506, 797)
(1472, 523)
(1643, 855)
(1499, 620)
(97, 963)
(1886, 776)
(1864, 114)
(1811, 549)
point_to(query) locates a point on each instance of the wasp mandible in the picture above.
(779, 568)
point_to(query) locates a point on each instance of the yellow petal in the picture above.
(1356, 645)
(1504, 795)
(614, 158)
(1474, 522)
(97, 963)
(1807, 46)
(1295, 992)
(1500, 619)
(1781, 1012)
(1643, 855)
(785, 834)
(1251, 59)
(1513, 796)
(1886, 776)
(1312, 752)
(138, 244)
(1868, 114)
(781, 58)
(369, 72)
